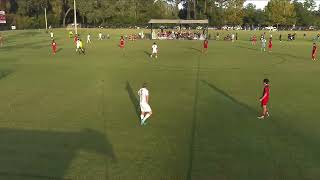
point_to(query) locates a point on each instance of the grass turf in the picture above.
(76, 117)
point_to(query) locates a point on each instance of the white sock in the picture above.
(146, 117)
(141, 116)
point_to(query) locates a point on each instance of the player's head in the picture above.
(314, 44)
(121, 37)
(266, 81)
(144, 85)
(154, 43)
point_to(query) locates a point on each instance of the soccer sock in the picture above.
(146, 117)
(141, 116)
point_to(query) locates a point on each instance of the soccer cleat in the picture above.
(261, 117)
(268, 115)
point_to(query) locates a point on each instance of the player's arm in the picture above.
(263, 97)
(147, 98)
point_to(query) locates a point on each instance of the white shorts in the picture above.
(145, 107)
(155, 52)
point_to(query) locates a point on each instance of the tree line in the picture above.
(30, 13)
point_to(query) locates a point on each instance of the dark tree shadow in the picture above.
(270, 141)
(59, 49)
(134, 100)
(226, 95)
(147, 53)
(4, 73)
(36, 154)
(195, 49)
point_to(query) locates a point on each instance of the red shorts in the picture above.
(264, 102)
(121, 46)
(54, 49)
(270, 46)
(206, 47)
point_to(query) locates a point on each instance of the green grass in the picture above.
(76, 117)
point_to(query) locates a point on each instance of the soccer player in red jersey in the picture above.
(75, 39)
(205, 46)
(122, 43)
(54, 47)
(314, 51)
(254, 40)
(270, 45)
(265, 99)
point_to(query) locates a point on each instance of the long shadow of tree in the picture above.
(234, 144)
(31, 154)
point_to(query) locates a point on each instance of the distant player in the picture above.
(54, 47)
(314, 51)
(75, 39)
(254, 40)
(263, 44)
(270, 45)
(232, 37)
(122, 43)
(100, 36)
(154, 50)
(205, 46)
(70, 34)
(51, 35)
(280, 38)
(144, 104)
(80, 48)
(265, 99)
(89, 38)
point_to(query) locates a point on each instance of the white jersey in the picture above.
(143, 94)
(89, 37)
(51, 34)
(154, 48)
(78, 44)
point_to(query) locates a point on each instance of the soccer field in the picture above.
(73, 116)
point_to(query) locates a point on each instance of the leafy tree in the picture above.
(280, 12)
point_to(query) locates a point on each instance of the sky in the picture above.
(262, 3)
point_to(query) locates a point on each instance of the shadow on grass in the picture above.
(226, 95)
(273, 53)
(4, 73)
(147, 53)
(236, 144)
(134, 100)
(60, 49)
(33, 45)
(195, 49)
(37, 154)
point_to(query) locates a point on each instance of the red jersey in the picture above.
(265, 95)
(121, 42)
(254, 38)
(314, 49)
(75, 39)
(54, 45)
(205, 44)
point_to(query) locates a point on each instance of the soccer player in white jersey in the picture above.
(154, 50)
(51, 35)
(144, 104)
(89, 38)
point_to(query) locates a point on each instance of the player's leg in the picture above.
(147, 115)
(147, 109)
(156, 55)
(264, 111)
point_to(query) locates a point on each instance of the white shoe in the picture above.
(261, 117)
